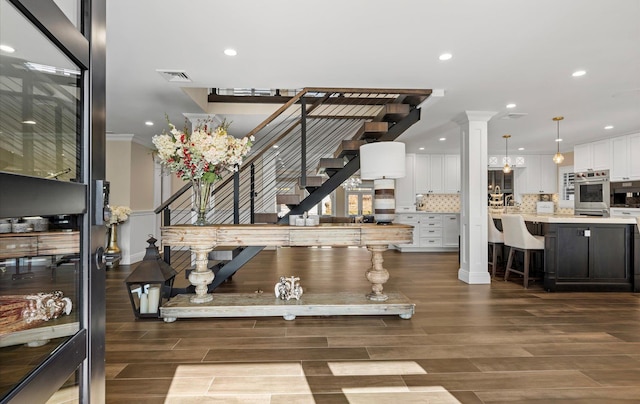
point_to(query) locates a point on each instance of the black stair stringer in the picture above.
(234, 265)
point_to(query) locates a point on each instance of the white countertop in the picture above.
(532, 217)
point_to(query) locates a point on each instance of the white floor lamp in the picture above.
(383, 162)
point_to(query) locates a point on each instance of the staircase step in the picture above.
(394, 112)
(348, 148)
(371, 130)
(264, 217)
(330, 166)
(312, 181)
(288, 199)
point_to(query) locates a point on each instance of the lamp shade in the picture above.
(382, 160)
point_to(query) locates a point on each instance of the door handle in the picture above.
(100, 258)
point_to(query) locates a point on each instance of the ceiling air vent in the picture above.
(514, 115)
(175, 76)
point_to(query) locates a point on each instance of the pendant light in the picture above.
(507, 168)
(558, 157)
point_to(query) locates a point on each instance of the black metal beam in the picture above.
(400, 127)
(234, 265)
(303, 143)
(236, 196)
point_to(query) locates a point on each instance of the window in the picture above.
(565, 187)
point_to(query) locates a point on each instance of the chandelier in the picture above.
(352, 183)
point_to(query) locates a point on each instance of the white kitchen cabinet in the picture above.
(405, 189)
(592, 156)
(625, 163)
(452, 174)
(450, 230)
(538, 177)
(429, 173)
(431, 231)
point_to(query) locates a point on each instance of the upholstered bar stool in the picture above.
(496, 243)
(518, 237)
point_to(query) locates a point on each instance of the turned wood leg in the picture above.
(377, 275)
(201, 276)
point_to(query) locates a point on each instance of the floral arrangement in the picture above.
(119, 214)
(203, 154)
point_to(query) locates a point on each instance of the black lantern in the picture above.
(149, 283)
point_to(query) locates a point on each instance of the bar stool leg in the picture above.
(509, 262)
(494, 261)
(527, 259)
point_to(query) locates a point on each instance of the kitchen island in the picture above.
(586, 253)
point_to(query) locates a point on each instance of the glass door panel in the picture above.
(359, 203)
(43, 274)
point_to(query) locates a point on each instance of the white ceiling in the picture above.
(520, 51)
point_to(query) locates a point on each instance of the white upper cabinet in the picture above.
(626, 163)
(538, 177)
(429, 173)
(405, 191)
(592, 156)
(452, 173)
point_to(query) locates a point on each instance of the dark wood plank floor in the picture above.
(466, 343)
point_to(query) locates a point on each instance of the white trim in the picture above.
(119, 137)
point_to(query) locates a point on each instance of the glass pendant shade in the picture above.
(507, 168)
(558, 157)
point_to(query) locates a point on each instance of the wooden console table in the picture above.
(203, 239)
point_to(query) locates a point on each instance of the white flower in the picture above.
(204, 154)
(119, 214)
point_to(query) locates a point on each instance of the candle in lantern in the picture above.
(154, 299)
(144, 303)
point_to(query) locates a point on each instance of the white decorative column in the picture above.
(473, 203)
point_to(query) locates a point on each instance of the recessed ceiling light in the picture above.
(7, 48)
(420, 148)
(521, 148)
(275, 146)
(579, 73)
(511, 106)
(608, 127)
(445, 56)
(230, 52)
(442, 139)
(558, 140)
(29, 122)
(149, 123)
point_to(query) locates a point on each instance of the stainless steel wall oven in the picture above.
(592, 193)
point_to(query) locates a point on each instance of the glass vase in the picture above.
(201, 196)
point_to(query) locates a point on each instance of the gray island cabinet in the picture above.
(590, 256)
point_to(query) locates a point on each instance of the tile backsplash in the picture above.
(439, 203)
(451, 203)
(528, 204)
